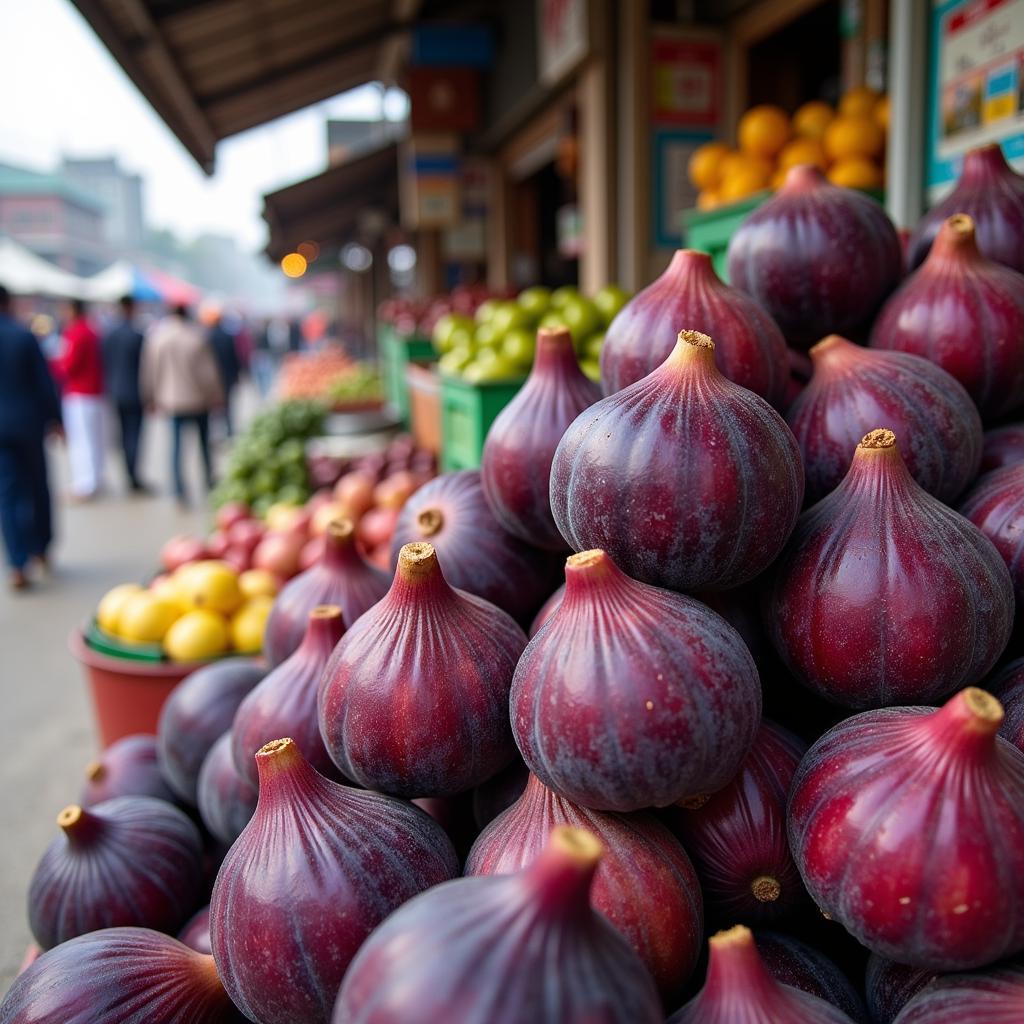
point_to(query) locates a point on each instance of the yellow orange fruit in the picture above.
(855, 172)
(743, 182)
(146, 618)
(248, 624)
(802, 151)
(778, 178)
(858, 102)
(707, 200)
(811, 120)
(258, 583)
(111, 604)
(746, 163)
(196, 635)
(848, 137)
(705, 166)
(212, 585)
(763, 130)
(880, 113)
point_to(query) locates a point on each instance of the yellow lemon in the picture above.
(212, 585)
(146, 618)
(248, 624)
(168, 588)
(856, 172)
(258, 583)
(113, 601)
(802, 151)
(705, 166)
(763, 130)
(196, 635)
(811, 120)
(853, 136)
(858, 102)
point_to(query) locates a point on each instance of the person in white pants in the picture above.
(80, 370)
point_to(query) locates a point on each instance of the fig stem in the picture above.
(766, 889)
(430, 521)
(830, 343)
(94, 771)
(417, 561)
(734, 965)
(78, 824)
(562, 874)
(881, 439)
(968, 722)
(341, 530)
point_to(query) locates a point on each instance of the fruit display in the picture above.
(821, 259)
(498, 343)
(774, 677)
(848, 144)
(964, 312)
(328, 376)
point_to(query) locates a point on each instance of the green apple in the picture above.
(485, 310)
(461, 337)
(535, 301)
(581, 317)
(552, 319)
(497, 369)
(487, 335)
(592, 346)
(445, 327)
(609, 300)
(592, 368)
(487, 354)
(452, 363)
(508, 316)
(563, 295)
(519, 346)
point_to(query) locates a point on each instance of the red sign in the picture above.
(686, 84)
(444, 99)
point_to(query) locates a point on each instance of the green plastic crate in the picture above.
(467, 412)
(710, 230)
(100, 640)
(396, 354)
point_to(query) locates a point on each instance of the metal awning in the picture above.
(327, 208)
(213, 68)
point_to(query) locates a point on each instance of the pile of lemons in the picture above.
(201, 610)
(847, 143)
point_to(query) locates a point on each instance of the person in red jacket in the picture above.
(80, 370)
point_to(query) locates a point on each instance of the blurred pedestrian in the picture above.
(28, 407)
(179, 377)
(222, 341)
(80, 371)
(122, 354)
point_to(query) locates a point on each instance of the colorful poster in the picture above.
(686, 83)
(977, 83)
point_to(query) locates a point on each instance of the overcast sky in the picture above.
(62, 92)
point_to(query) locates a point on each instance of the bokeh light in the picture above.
(294, 264)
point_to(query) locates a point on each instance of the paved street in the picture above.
(46, 731)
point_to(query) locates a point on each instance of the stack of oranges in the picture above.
(848, 144)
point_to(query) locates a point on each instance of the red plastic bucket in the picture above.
(126, 695)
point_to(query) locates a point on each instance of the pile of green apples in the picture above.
(498, 342)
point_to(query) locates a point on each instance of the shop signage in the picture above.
(977, 87)
(686, 82)
(672, 192)
(563, 37)
(429, 181)
(443, 99)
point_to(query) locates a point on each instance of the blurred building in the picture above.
(54, 218)
(120, 192)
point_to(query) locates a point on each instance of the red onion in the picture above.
(196, 934)
(278, 552)
(231, 512)
(992, 194)
(645, 884)
(1003, 446)
(341, 577)
(632, 696)
(749, 348)
(738, 837)
(996, 507)
(194, 716)
(739, 990)
(434, 663)
(687, 480)
(477, 553)
(227, 800)
(884, 595)
(503, 949)
(1008, 686)
(517, 455)
(315, 871)
(907, 826)
(132, 860)
(890, 986)
(995, 997)
(120, 976)
(128, 767)
(180, 550)
(965, 313)
(819, 258)
(284, 703)
(792, 962)
(854, 388)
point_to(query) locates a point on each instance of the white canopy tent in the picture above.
(109, 285)
(22, 272)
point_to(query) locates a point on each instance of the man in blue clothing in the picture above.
(28, 407)
(122, 354)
